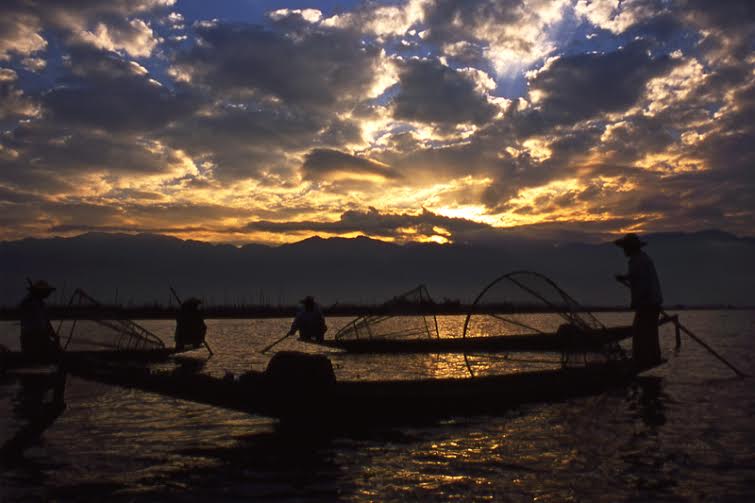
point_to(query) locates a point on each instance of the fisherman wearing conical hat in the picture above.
(190, 325)
(645, 288)
(37, 335)
(309, 322)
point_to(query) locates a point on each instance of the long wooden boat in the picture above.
(10, 360)
(555, 342)
(307, 395)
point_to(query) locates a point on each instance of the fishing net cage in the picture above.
(410, 315)
(528, 303)
(92, 326)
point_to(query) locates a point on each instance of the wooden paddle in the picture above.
(276, 343)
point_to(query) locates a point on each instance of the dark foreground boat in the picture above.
(11, 360)
(298, 388)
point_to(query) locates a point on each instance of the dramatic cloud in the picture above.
(324, 163)
(513, 33)
(425, 226)
(573, 88)
(432, 92)
(106, 25)
(110, 93)
(13, 103)
(19, 34)
(309, 68)
(409, 120)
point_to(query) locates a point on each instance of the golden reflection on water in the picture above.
(455, 365)
(687, 436)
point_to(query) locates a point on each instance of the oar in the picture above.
(276, 343)
(692, 336)
(178, 299)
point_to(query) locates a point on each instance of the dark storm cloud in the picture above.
(728, 147)
(723, 13)
(727, 28)
(312, 68)
(177, 213)
(16, 196)
(454, 20)
(170, 217)
(373, 222)
(340, 132)
(241, 142)
(79, 228)
(434, 93)
(321, 162)
(107, 92)
(54, 160)
(282, 91)
(636, 136)
(449, 161)
(582, 86)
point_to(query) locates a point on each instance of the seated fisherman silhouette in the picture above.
(190, 325)
(37, 335)
(646, 296)
(309, 321)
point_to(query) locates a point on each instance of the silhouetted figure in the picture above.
(309, 321)
(37, 335)
(190, 325)
(646, 300)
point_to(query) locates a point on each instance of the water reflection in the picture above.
(682, 438)
(40, 400)
(647, 394)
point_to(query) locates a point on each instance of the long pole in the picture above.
(694, 337)
(275, 343)
(178, 299)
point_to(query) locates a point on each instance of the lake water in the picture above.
(682, 432)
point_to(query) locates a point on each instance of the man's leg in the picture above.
(645, 342)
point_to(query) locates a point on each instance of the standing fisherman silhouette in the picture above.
(37, 335)
(646, 300)
(309, 322)
(190, 326)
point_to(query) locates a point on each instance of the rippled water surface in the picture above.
(683, 432)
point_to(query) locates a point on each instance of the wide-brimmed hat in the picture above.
(191, 301)
(631, 241)
(41, 287)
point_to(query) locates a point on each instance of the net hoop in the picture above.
(569, 309)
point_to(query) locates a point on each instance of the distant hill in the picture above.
(710, 267)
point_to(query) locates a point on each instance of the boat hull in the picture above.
(344, 403)
(492, 344)
(11, 360)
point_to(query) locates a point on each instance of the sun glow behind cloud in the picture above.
(416, 120)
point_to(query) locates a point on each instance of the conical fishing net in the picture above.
(396, 319)
(528, 303)
(97, 327)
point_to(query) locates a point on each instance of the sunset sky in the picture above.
(416, 120)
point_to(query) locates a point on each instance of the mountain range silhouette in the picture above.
(702, 268)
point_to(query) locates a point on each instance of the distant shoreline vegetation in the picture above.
(253, 311)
